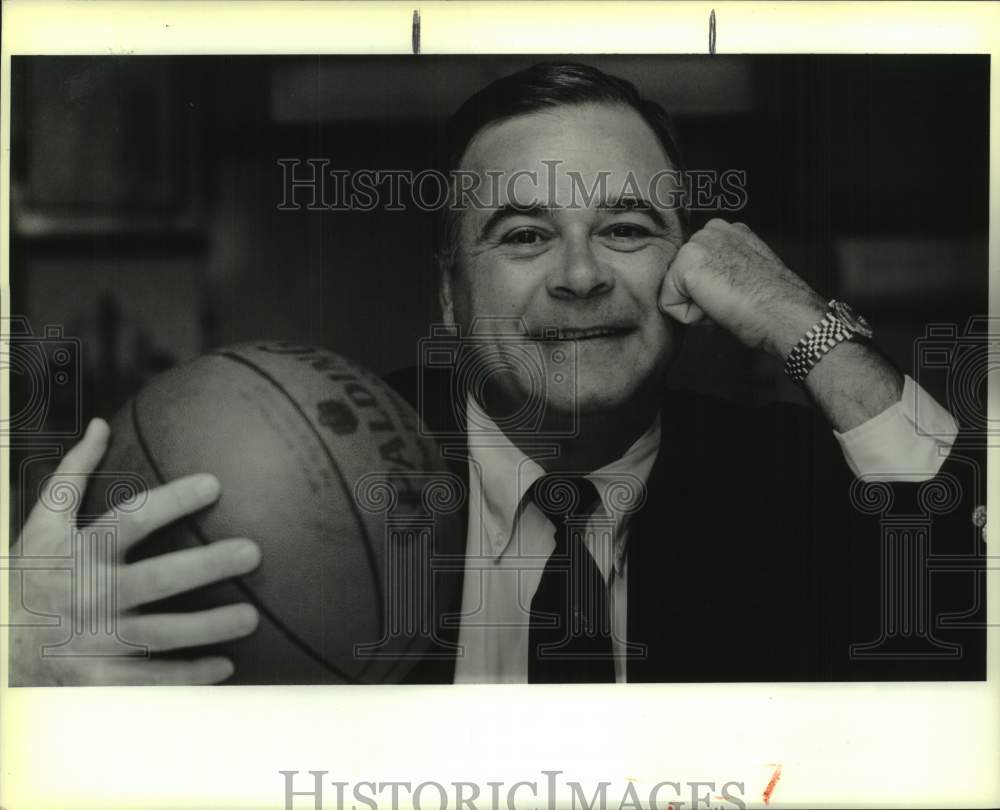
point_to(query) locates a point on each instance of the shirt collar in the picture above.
(506, 473)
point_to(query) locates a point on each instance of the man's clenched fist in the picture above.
(726, 274)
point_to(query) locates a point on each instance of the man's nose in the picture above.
(580, 274)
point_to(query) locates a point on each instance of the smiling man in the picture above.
(592, 274)
(717, 562)
(616, 530)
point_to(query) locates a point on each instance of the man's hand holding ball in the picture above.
(49, 533)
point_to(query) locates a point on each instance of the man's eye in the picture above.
(626, 231)
(523, 237)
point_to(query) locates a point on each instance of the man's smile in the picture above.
(587, 332)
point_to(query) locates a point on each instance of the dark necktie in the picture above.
(570, 632)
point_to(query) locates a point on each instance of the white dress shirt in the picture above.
(509, 540)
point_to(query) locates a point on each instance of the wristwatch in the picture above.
(840, 323)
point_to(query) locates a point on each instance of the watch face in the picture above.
(855, 322)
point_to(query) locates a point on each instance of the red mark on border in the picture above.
(771, 785)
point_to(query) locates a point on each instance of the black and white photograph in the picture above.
(340, 370)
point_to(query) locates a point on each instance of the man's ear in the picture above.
(445, 299)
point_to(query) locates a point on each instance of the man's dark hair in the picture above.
(541, 87)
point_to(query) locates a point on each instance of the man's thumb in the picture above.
(674, 299)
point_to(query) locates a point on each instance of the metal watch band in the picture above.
(826, 334)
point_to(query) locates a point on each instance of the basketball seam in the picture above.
(369, 552)
(237, 581)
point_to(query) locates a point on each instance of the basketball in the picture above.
(328, 469)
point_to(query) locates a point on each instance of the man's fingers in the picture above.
(674, 299)
(63, 491)
(719, 224)
(711, 238)
(85, 455)
(180, 571)
(174, 631)
(199, 672)
(676, 304)
(715, 230)
(163, 505)
(686, 312)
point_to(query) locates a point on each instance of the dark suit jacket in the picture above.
(758, 557)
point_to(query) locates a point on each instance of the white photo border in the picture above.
(861, 744)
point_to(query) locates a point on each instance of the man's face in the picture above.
(540, 252)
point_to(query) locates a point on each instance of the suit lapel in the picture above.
(645, 573)
(672, 565)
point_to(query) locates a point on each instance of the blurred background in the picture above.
(145, 193)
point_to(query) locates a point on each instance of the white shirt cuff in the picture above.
(908, 441)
